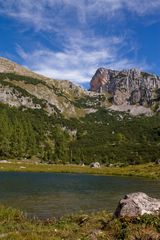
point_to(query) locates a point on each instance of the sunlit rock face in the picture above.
(127, 86)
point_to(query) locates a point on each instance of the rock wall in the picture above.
(127, 86)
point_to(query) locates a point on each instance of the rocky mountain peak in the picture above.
(127, 86)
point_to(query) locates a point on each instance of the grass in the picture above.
(150, 170)
(14, 225)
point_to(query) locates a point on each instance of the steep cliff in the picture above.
(128, 87)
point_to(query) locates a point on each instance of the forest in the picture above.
(105, 136)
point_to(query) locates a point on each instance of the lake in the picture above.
(51, 194)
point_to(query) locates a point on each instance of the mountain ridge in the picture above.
(58, 93)
(130, 91)
(58, 122)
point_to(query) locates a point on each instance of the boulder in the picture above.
(135, 204)
(158, 161)
(95, 165)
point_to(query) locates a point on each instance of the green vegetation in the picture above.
(87, 102)
(13, 76)
(112, 137)
(105, 136)
(24, 134)
(6, 80)
(16, 226)
(124, 145)
(146, 170)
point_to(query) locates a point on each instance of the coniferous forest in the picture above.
(102, 136)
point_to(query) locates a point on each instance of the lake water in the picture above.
(52, 194)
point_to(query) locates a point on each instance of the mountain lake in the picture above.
(50, 194)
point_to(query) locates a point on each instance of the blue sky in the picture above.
(70, 39)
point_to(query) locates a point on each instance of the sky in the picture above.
(70, 39)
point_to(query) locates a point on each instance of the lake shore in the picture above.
(81, 226)
(149, 170)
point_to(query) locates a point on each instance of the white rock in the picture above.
(135, 204)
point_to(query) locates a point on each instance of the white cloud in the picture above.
(82, 51)
(50, 14)
(79, 59)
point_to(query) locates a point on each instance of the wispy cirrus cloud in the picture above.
(82, 50)
(80, 58)
(49, 14)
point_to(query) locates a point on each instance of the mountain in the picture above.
(128, 88)
(57, 121)
(22, 87)
(7, 66)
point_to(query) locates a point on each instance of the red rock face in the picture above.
(99, 80)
